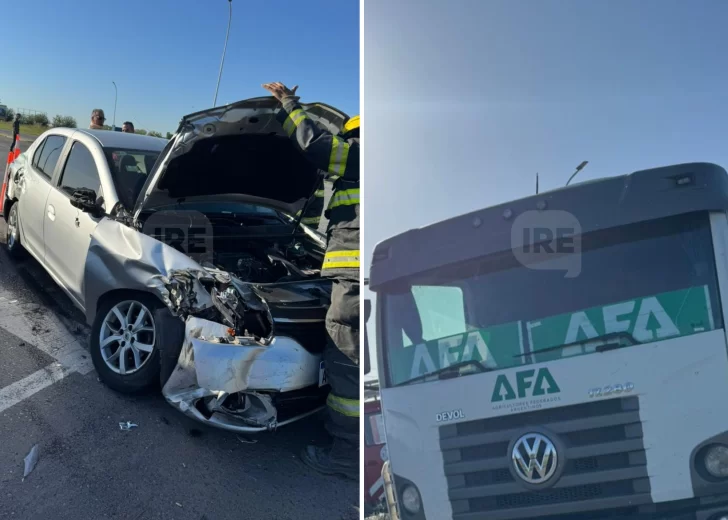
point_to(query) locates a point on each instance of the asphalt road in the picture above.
(169, 467)
(6, 138)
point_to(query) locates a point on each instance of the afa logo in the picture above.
(525, 384)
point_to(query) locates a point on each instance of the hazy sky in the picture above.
(61, 56)
(465, 100)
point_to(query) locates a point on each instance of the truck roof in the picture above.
(597, 204)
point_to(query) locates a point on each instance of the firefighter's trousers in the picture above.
(341, 359)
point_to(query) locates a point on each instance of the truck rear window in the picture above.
(637, 283)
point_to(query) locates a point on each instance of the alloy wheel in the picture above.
(127, 337)
(12, 235)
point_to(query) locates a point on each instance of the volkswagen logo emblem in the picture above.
(534, 458)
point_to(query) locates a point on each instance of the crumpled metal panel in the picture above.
(181, 389)
(282, 366)
(120, 257)
(208, 368)
(10, 172)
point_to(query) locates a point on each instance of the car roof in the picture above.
(110, 139)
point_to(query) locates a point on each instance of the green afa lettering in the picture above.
(503, 391)
(526, 385)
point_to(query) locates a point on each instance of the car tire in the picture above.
(121, 365)
(6, 207)
(12, 233)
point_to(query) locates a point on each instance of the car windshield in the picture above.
(637, 283)
(129, 170)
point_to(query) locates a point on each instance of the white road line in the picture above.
(57, 342)
(35, 382)
(44, 331)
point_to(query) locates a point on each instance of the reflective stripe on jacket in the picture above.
(339, 159)
(315, 208)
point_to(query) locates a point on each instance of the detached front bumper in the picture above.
(242, 385)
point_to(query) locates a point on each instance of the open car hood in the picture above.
(240, 152)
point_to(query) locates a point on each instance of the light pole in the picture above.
(116, 95)
(224, 49)
(578, 169)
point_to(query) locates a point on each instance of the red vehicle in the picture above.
(375, 448)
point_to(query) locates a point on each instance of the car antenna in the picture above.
(536, 183)
(578, 169)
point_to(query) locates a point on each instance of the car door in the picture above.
(37, 183)
(68, 230)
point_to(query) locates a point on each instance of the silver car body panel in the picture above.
(53, 211)
(120, 257)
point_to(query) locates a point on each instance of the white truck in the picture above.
(587, 381)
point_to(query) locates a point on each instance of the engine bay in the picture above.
(264, 262)
(253, 267)
(255, 248)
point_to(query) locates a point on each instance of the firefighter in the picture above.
(338, 156)
(312, 216)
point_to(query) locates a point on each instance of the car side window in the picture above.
(80, 171)
(50, 154)
(38, 152)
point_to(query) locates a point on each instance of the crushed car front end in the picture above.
(242, 326)
(240, 384)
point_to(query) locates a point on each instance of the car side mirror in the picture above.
(367, 313)
(86, 200)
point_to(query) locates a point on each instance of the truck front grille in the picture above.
(604, 463)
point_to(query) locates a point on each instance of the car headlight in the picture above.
(411, 499)
(716, 461)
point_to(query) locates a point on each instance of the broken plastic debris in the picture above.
(31, 459)
(247, 441)
(127, 426)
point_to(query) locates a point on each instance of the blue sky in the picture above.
(165, 55)
(465, 100)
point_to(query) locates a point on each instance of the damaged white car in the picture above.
(193, 272)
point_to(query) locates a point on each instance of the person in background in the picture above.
(16, 131)
(127, 127)
(97, 119)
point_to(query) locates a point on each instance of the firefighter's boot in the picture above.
(341, 458)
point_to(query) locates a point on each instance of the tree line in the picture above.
(67, 122)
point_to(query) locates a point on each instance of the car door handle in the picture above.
(78, 222)
(51, 212)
